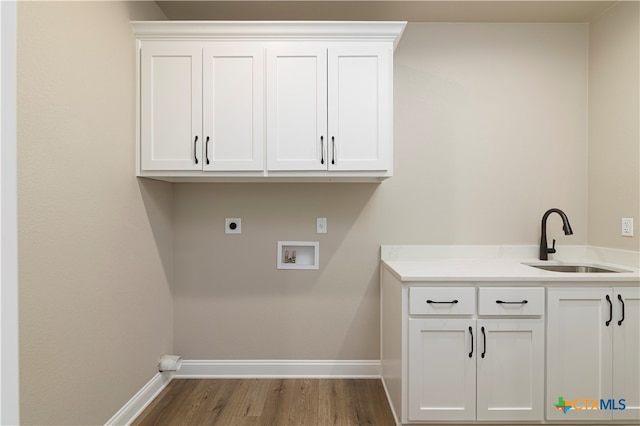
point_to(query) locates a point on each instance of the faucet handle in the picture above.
(553, 247)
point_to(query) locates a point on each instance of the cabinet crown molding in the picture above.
(389, 31)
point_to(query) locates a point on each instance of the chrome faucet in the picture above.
(544, 250)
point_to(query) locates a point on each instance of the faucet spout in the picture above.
(566, 227)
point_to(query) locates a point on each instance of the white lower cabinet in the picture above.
(470, 353)
(593, 354)
(626, 353)
(510, 369)
(476, 368)
(442, 369)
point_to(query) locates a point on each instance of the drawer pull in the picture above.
(452, 302)
(484, 348)
(471, 333)
(501, 302)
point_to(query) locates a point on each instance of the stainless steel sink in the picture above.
(581, 269)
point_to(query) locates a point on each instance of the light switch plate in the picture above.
(321, 225)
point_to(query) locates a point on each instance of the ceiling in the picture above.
(388, 10)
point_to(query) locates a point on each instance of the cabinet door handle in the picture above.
(321, 149)
(610, 311)
(333, 150)
(206, 149)
(471, 333)
(524, 302)
(484, 347)
(450, 302)
(195, 153)
(622, 302)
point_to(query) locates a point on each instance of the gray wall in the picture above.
(490, 131)
(614, 126)
(95, 244)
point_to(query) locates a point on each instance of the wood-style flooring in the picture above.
(277, 402)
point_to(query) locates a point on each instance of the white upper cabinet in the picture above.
(233, 112)
(293, 101)
(297, 108)
(329, 108)
(201, 106)
(360, 108)
(171, 106)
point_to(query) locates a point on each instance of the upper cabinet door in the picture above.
(360, 107)
(171, 106)
(297, 108)
(233, 106)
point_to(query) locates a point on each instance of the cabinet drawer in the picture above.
(442, 300)
(511, 301)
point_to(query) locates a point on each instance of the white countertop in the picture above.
(504, 263)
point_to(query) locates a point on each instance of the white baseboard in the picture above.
(132, 409)
(393, 411)
(203, 369)
(279, 369)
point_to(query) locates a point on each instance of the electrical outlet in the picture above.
(233, 225)
(627, 226)
(321, 225)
